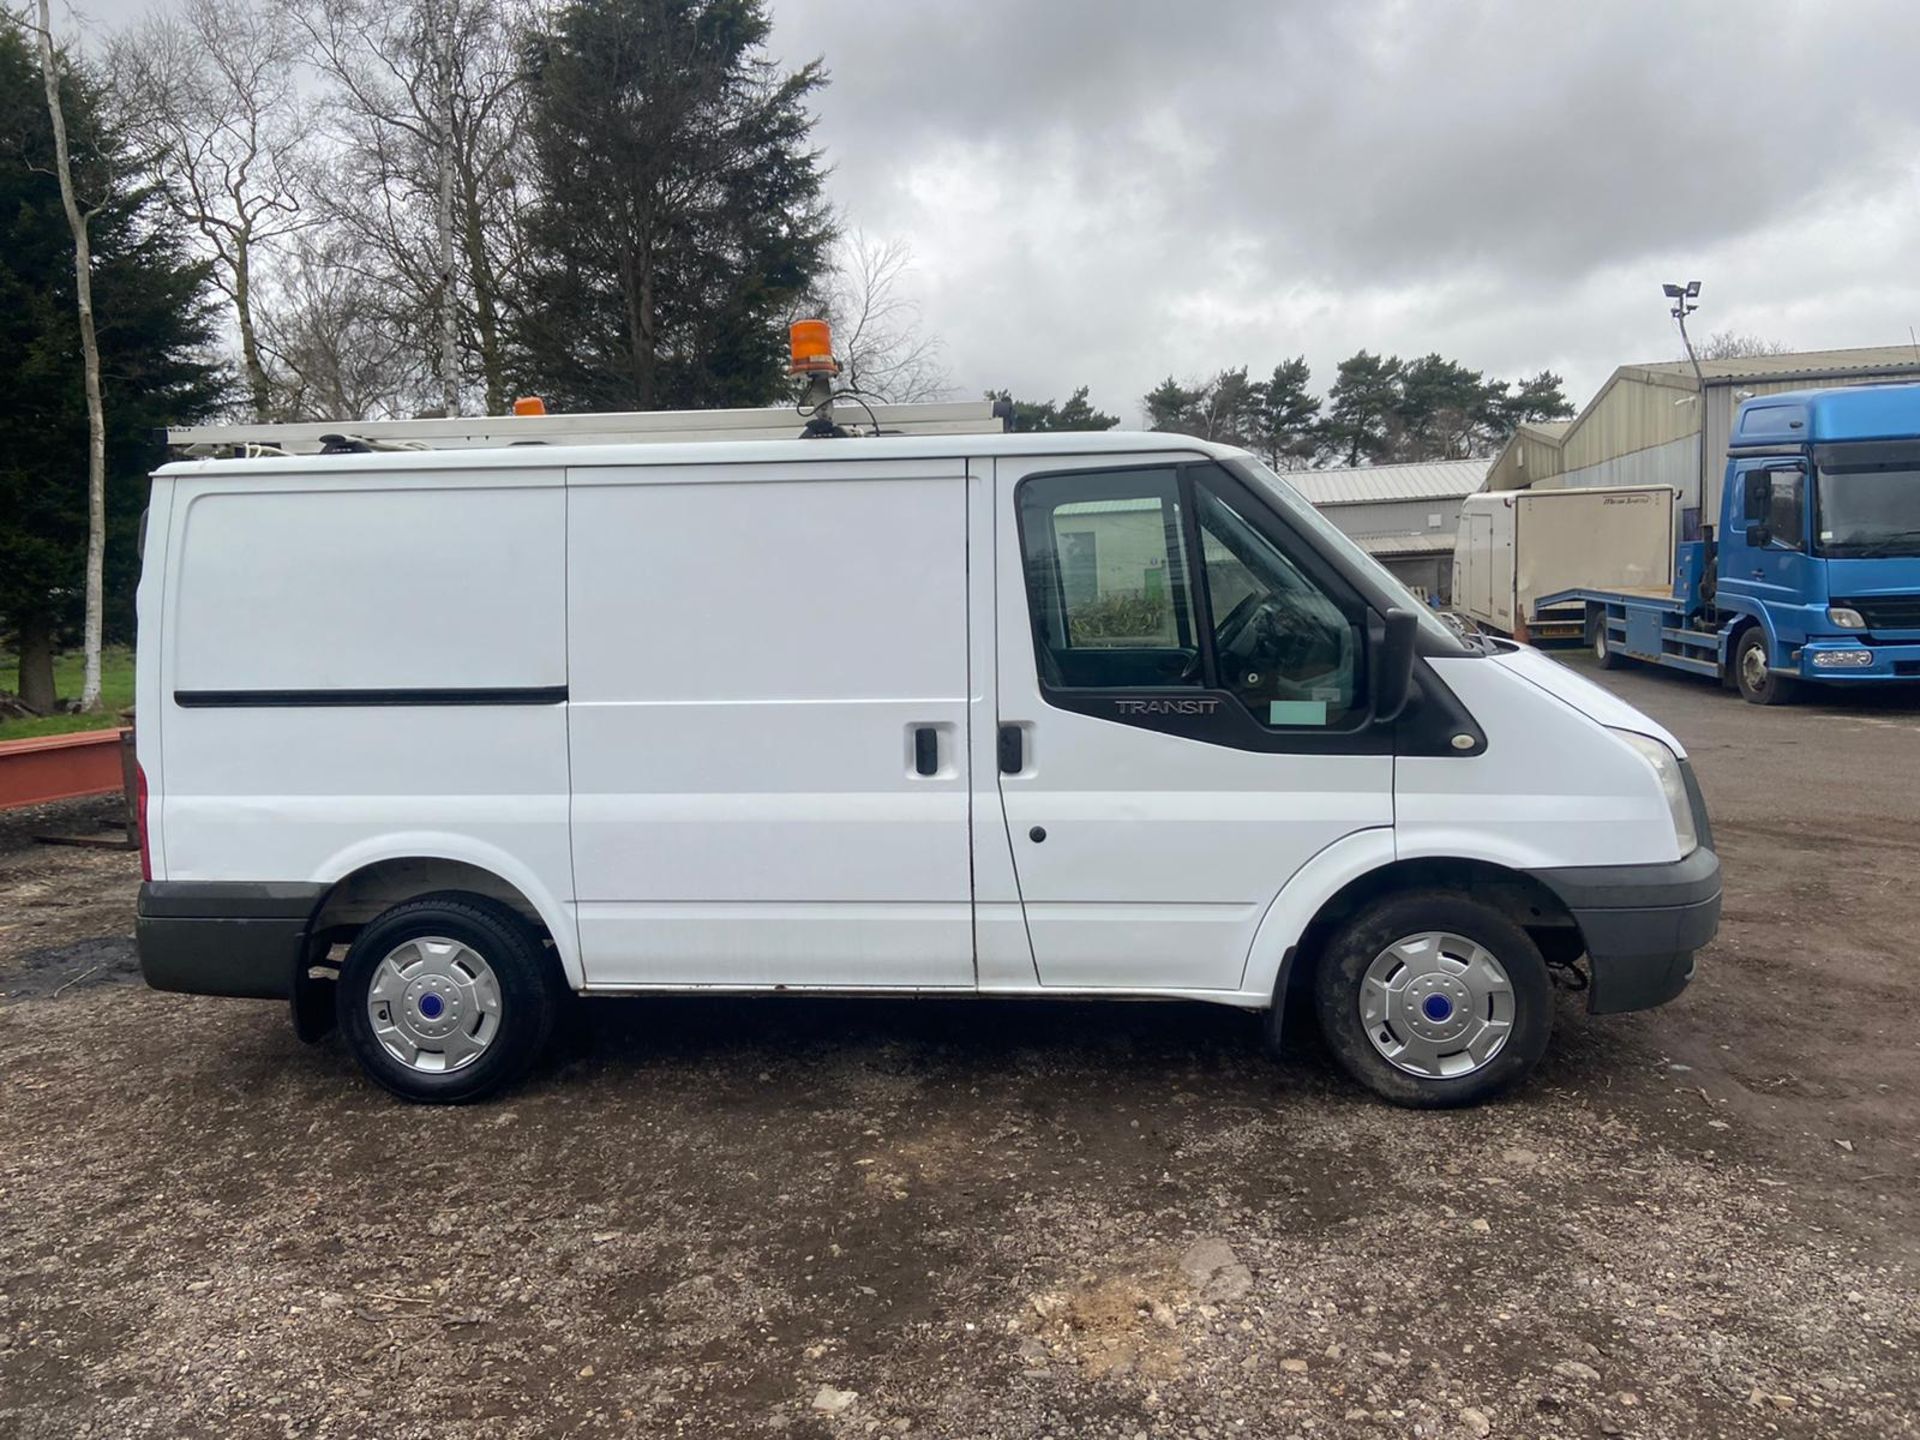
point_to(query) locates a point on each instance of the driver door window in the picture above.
(1785, 511)
(1112, 559)
(1283, 648)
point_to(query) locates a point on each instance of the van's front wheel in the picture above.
(1429, 1000)
(446, 998)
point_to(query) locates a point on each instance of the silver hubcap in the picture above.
(1436, 1005)
(434, 1004)
(1600, 642)
(1753, 667)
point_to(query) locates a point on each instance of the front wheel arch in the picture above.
(1521, 898)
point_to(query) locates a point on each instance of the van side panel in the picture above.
(752, 649)
(365, 667)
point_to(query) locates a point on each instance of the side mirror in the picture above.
(1759, 493)
(1759, 536)
(1393, 666)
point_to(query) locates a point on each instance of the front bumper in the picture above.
(223, 937)
(1885, 662)
(1641, 925)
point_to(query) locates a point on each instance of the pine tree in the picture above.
(678, 208)
(155, 320)
(1077, 413)
(1362, 406)
(1289, 416)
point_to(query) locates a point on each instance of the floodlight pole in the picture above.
(1682, 295)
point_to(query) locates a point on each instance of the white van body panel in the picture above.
(283, 583)
(742, 713)
(1553, 789)
(1597, 704)
(1118, 894)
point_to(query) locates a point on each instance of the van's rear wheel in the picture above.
(1430, 999)
(446, 998)
(1753, 672)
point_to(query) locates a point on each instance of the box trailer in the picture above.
(1515, 546)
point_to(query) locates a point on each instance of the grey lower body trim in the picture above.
(224, 937)
(1641, 925)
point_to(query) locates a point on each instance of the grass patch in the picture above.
(116, 693)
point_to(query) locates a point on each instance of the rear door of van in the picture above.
(1181, 688)
(768, 671)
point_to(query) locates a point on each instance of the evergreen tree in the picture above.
(1171, 406)
(1077, 413)
(155, 320)
(1539, 398)
(1289, 417)
(1441, 410)
(678, 210)
(1362, 409)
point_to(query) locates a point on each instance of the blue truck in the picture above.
(1812, 574)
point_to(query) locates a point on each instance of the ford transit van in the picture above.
(432, 737)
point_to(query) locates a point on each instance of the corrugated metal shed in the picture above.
(1371, 484)
(1647, 421)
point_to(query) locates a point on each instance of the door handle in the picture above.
(1013, 757)
(926, 750)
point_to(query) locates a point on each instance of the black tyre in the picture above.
(1601, 642)
(1430, 999)
(447, 998)
(1753, 672)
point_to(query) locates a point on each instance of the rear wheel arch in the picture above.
(371, 887)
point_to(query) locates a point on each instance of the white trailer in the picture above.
(1517, 545)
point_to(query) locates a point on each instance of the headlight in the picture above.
(1846, 617)
(1667, 766)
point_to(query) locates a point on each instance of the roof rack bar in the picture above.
(628, 428)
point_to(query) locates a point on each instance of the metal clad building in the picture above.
(1646, 425)
(1404, 516)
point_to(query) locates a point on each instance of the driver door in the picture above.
(1184, 717)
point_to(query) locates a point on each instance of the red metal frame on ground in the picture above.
(61, 767)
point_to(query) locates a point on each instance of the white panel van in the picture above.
(430, 738)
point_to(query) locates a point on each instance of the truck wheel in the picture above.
(446, 998)
(1753, 672)
(1602, 642)
(1432, 1000)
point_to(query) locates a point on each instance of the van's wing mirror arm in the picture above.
(1393, 665)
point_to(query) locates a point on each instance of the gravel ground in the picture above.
(812, 1218)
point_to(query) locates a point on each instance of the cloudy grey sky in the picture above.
(1103, 191)
(1106, 191)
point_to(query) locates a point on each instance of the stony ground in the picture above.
(831, 1219)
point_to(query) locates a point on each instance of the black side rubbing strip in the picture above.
(304, 699)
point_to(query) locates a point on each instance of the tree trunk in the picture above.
(90, 354)
(449, 321)
(257, 387)
(486, 309)
(36, 666)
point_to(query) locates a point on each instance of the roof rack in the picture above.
(333, 437)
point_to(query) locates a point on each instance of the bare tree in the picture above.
(1734, 345)
(876, 322)
(212, 92)
(51, 66)
(333, 354)
(426, 107)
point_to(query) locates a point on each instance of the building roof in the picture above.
(1371, 484)
(1430, 544)
(1871, 362)
(1866, 360)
